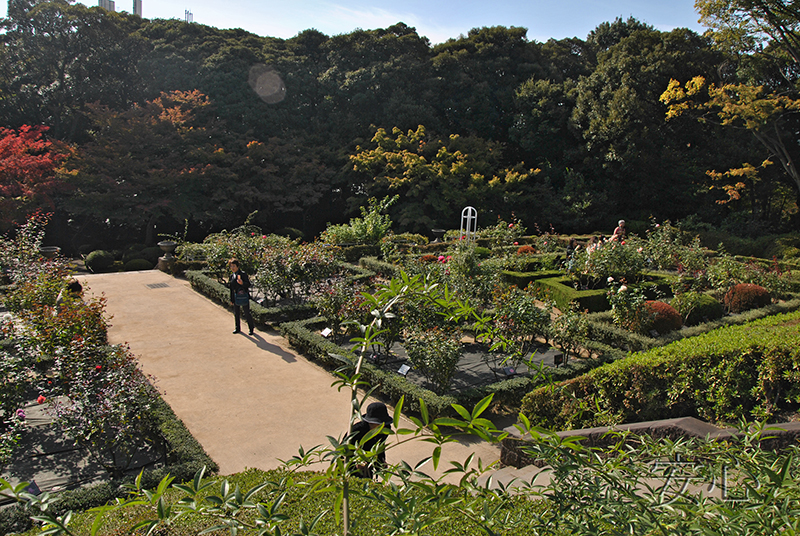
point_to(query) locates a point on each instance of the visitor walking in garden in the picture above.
(376, 415)
(239, 284)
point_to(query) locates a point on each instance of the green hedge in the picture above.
(603, 330)
(303, 337)
(268, 316)
(563, 294)
(522, 279)
(184, 457)
(385, 269)
(748, 370)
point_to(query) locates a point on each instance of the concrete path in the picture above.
(249, 400)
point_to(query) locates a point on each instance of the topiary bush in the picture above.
(665, 317)
(696, 308)
(134, 265)
(99, 261)
(526, 250)
(745, 296)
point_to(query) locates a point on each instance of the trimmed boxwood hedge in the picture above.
(717, 376)
(522, 279)
(185, 456)
(385, 269)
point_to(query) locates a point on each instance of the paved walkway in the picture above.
(249, 400)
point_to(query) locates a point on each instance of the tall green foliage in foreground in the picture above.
(638, 486)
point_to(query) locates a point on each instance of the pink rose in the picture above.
(623, 242)
(252, 234)
(41, 399)
(441, 258)
(516, 243)
(510, 225)
(98, 367)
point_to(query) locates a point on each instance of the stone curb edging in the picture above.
(777, 436)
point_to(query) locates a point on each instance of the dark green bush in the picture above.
(385, 269)
(482, 252)
(134, 265)
(746, 296)
(697, 308)
(99, 261)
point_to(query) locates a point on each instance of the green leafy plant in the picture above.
(629, 307)
(370, 228)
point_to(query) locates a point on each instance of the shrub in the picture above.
(134, 265)
(593, 266)
(99, 261)
(745, 296)
(724, 375)
(628, 307)
(526, 250)
(428, 258)
(696, 308)
(482, 253)
(665, 317)
(369, 229)
(435, 354)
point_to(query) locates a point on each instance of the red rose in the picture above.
(41, 399)
(98, 367)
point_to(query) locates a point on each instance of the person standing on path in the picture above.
(239, 284)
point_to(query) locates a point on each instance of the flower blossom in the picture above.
(516, 243)
(98, 367)
(41, 399)
(21, 413)
(610, 279)
(623, 288)
(510, 225)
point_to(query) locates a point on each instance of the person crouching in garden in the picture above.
(376, 415)
(239, 284)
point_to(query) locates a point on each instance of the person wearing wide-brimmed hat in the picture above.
(376, 415)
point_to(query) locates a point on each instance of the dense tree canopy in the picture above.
(569, 132)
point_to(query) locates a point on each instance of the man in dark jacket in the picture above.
(239, 284)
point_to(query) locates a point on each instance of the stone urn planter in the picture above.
(166, 262)
(168, 247)
(438, 234)
(49, 252)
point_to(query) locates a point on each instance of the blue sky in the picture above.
(437, 20)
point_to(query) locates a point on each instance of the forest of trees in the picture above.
(125, 128)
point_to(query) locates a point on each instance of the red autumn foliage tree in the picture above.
(28, 175)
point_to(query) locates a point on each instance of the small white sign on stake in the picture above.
(404, 370)
(325, 332)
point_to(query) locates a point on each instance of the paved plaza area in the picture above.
(251, 401)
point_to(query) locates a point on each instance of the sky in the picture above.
(437, 20)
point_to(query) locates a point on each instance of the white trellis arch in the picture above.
(469, 223)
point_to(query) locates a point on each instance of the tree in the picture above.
(436, 178)
(751, 26)
(57, 57)
(144, 164)
(28, 177)
(638, 157)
